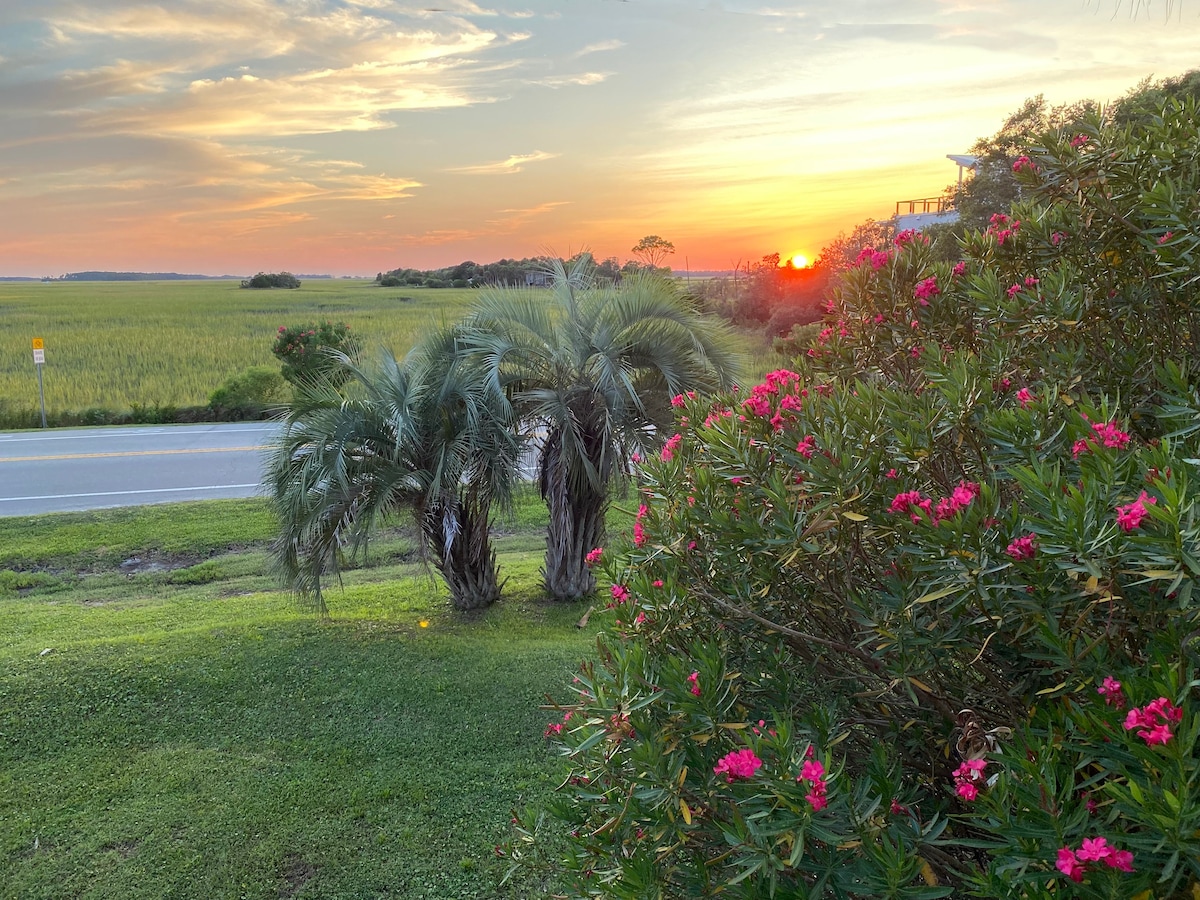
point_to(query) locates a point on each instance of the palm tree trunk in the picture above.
(468, 565)
(576, 527)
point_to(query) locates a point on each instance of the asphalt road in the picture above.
(94, 468)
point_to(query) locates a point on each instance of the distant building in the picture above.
(925, 211)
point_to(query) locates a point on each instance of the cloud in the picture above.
(583, 79)
(509, 166)
(598, 47)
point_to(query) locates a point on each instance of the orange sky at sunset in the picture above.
(353, 136)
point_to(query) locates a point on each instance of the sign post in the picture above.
(39, 360)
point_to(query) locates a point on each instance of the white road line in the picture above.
(211, 487)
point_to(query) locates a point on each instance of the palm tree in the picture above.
(589, 372)
(425, 435)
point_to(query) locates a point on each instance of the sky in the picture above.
(355, 136)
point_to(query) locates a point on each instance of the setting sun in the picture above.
(799, 260)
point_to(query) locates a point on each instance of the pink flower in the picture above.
(1024, 397)
(669, 448)
(1057, 238)
(1162, 240)
(1069, 864)
(678, 400)
(694, 680)
(968, 777)
(1152, 721)
(1094, 849)
(806, 447)
(1023, 547)
(909, 236)
(593, 556)
(1079, 140)
(959, 268)
(925, 290)
(1110, 690)
(892, 473)
(738, 764)
(812, 770)
(817, 799)
(897, 809)
(1130, 515)
(552, 730)
(620, 593)
(1023, 164)
(1121, 860)
(1013, 291)
(913, 503)
(641, 618)
(1110, 435)
(1159, 734)
(658, 582)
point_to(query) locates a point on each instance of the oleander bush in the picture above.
(918, 619)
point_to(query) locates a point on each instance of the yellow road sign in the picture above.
(39, 344)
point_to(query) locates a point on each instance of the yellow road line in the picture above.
(4, 459)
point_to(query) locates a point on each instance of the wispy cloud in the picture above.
(583, 79)
(510, 166)
(598, 47)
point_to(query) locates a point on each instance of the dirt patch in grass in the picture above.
(295, 873)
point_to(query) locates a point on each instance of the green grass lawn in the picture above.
(190, 731)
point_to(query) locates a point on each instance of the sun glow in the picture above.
(799, 260)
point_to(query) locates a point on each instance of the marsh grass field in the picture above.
(182, 728)
(123, 344)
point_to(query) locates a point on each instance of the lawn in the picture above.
(178, 727)
(171, 343)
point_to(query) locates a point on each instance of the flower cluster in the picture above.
(1130, 515)
(913, 503)
(1110, 690)
(1024, 547)
(694, 681)
(877, 258)
(669, 448)
(1073, 863)
(620, 593)
(593, 556)
(738, 764)
(1105, 433)
(1153, 721)
(782, 384)
(968, 777)
(814, 773)
(806, 446)
(925, 290)
(679, 399)
(639, 533)
(1023, 164)
(909, 236)
(1003, 230)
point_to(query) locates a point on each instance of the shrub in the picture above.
(309, 352)
(865, 640)
(251, 389)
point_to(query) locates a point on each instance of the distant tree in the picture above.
(1148, 98)
(609, 270)
(842, 252)
(653, 250)
(274, 280)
